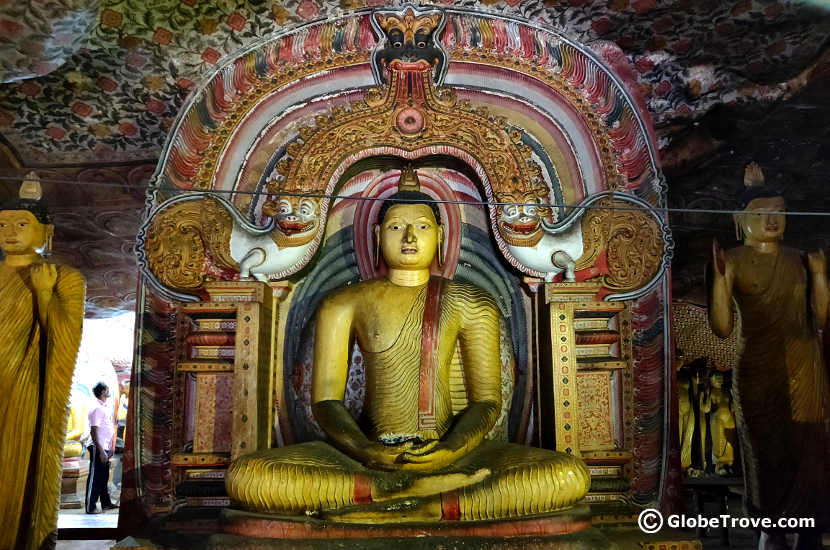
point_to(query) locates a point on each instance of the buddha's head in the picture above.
(409, 233)
(761, 219)
(25, 224)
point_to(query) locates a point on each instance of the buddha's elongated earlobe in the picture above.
(47, 246)
(376, 254)
(739, 232)
(440, 246)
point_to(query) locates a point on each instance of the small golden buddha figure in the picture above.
(721, 419)
(780, 385)
(76, 426)
(42, 307)
(415, 460)
(686, 413)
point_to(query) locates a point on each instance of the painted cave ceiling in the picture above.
(90, 90)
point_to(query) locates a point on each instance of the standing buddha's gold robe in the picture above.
(35, 376)
(781, 389)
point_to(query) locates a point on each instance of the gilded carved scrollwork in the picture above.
(430, 118)
(631, 239)
(183, 237)
(175, 251)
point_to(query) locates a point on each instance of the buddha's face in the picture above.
(409, 236)
(759, 220)
(21, 232)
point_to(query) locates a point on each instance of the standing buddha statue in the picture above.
(415, 460)
(780, 385)
(40, 331)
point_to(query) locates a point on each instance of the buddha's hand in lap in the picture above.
(379, 456)
(432, 455)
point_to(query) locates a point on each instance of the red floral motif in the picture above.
(236, 21)
(642, 6)
(155, 106)
(127, 129)
(626, 42)
(602, 25)
(375, 3)
(184, 83)
(682, 46)
(111, 18)
(9, 28)
(644, 64)
(308, 9)
(130, 42)
(162, 36)
(663, 88)
(189, 2)
(55, 132)
(102, 149)
(210, 55)
(512, 3)
(29, 88)
(81, 109)
(658, 43)
(107, 84)
(6, 118)
(663, 24)
(135, 60)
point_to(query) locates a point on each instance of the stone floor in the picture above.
(69, 518)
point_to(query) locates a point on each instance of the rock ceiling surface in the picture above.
(89, 83)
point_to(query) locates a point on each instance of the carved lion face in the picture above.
(297, 216)
(524, 218)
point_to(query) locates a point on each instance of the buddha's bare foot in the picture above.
(429, 485)
(392, 511)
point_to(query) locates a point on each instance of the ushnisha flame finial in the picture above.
(409, 179)
(30, 188)
(753, 175)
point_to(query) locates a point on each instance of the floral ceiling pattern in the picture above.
(111, 84)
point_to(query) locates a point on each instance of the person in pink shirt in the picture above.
(100, 451)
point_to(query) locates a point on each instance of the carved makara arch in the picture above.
(406, 114)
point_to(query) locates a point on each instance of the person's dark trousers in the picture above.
(96, 483)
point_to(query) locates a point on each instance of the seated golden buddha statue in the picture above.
(415, 460)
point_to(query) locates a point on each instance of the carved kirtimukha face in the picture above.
(521, 223)
(21, 232)
(409, 38)
(761, 221)
(409, 236)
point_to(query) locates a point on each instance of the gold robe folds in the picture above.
(781, 390)
(36, 366)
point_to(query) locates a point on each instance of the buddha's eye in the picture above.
(423, 226)
(395, 227)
